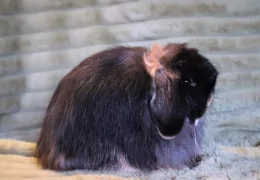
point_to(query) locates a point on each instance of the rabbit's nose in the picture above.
(210, 100)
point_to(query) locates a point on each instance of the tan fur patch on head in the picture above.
(151, 60)
(161, 57)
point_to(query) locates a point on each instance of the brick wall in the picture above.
(40, 41)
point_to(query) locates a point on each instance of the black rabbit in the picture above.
(129, 107)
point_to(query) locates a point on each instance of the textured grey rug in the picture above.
(237, 157)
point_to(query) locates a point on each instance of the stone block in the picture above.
(47, 41)
(148, 30)
(110, 2)
(251, 43)
(204, 8)
(238, 80)
(50, 60)
(14, 6)
(159, 8)
(47, 21)
(10, 85)
(9, 104)
(30, 135)
(43, 81)
(234, 100)
(9, 64)
(35, 100)
(235, 62)
(21, 121)
(154, 9)
(8, 6)
(240, 44)
(174, 27)
(125, 12)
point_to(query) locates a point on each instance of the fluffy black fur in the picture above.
(112, 106)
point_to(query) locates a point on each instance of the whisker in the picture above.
(224, 100)
(220, 90)
(200, 134)
(218, 98)
(196, 147)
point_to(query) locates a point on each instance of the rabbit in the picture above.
(129, 108)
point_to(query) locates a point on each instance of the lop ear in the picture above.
(164, 103)
(165, 106)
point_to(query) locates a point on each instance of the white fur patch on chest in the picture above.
(165, 137)
(196, 122)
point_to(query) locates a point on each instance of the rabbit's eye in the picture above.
(190, 82)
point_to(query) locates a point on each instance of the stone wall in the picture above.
(40, 41)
